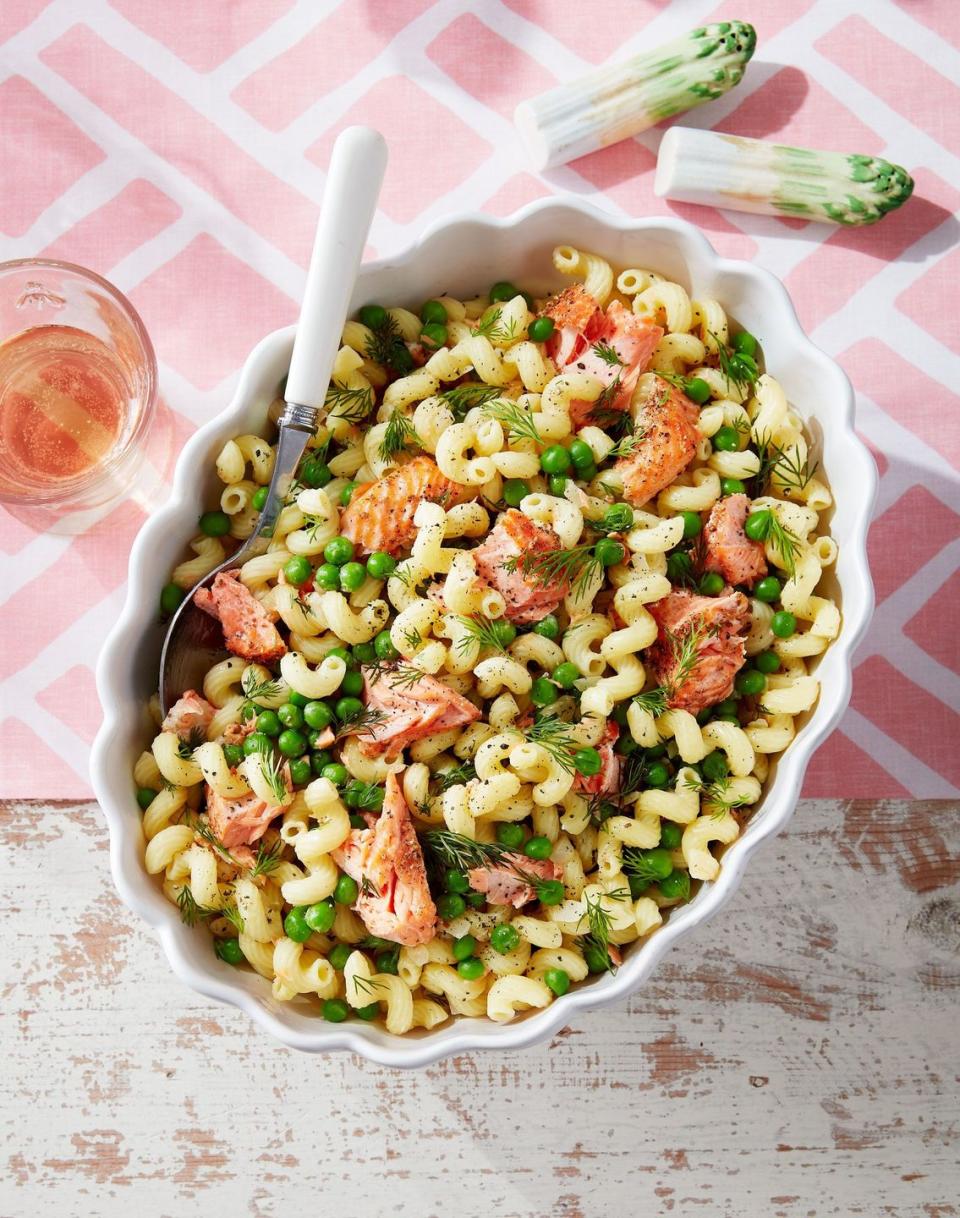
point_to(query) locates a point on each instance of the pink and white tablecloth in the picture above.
(179, 149)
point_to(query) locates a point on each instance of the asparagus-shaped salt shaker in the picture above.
(622, 99)
(777, 179)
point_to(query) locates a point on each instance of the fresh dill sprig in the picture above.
(608, 354)
(202, 829)
(716, 794)
(518, 422)
(256, 689)
(628, 445)
(368, 888)
(185, 750)
(457, 776)
(268, 858)
(364, 719)
(576, 567)
(653, 700)
(463, 398)
(786, 542)
(382, 343)
(557, 738)
(232, 915)
(491, 326)
(191, 912)
(367, 985)
(365, 795)
(397, 676)
(271, 767)
(685, 653)
(600, 922)
(784, 466)
(734, 369)
(460, 853)
(480, 630)
(633, 772)
(413, 638)
(400, 434)
(352, 405)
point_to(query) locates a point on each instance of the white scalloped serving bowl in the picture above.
(460, 256)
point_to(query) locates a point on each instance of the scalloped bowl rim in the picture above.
(118, 656)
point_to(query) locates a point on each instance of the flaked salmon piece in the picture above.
(613, 346)
(607, 780)
(668, 438)
(506, 884)
(410, 709)
(189, 717)
(726, 547)
(720, 624)
(515, 535)
(239, 822)
(380, 514)
(248, 629)
(236, 733)
(387, 861)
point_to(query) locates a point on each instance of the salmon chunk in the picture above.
(248, 629)
(239, 822)
(726, 547)
(410, 710)
(189, 717)
(387, 862)
(720, 624)
(667, 427)
(380, 514)
(607, 780)
(507, 884)
(613, 346)
(529, 598)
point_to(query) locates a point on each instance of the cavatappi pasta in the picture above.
(536, 616)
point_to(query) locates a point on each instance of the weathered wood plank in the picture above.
(798, 1057)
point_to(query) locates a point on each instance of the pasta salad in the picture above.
(510, 670)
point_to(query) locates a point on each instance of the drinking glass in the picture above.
(78, 385)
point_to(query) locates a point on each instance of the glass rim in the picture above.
(72, 486)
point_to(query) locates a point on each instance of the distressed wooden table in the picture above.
(799, 1057)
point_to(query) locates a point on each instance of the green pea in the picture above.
(727, 707)
(618, 517)
(400, 358)
(696, 389)
(503, 631)
(471, 969)
(757, 524)
(587, 762)
(692, 523)
(342, 654)
(300, 771)
(504, 938)
(374, 316)
(476, 900)
(586, 473)
(388, 961)
(550, 892)
(503, 291)
(352, 575)
(726, 440)
(703, 716)
(171, 598)
(581, 454)
(233, 754)
(657, 862)
(352, 683)
(380, 565)
(338, 550)
(658, 775)
(626, 745)
(315, 473)
(335, 1010)
(450, 905)
(327, 577)
(715, 766)
(249, 711)
(434, 334)
(215, 524)
(348, 708)
(538, 847)
(357, 821)
(679, 566)
(295, 925)
(297, 699)
(321, 916)
(768, 589)
(259, 498)
(540, 329)
(733, 486)
(656, 750)
(383, 645)
(619, 714)
(783, 624)
(548, 627)
(290, 715)
(364, 653)
(565, 674)
(145, 797)
(637, 885)
(543, 692)
(609, 552)
(676, 886)
(291, 743)
(336, 772)
(557, 484)
(596, 959)
(268, 722)
(455, 881)
(464, 947)
(346, 493)
(743, 367)
(558, 980)
(347, 890)
(712, 584)
(317, 715)
(555, 460)
(514, 492)
(256, 742)
(670, 835)
(370, 1011)
(510, 835)
(433, 312)
(767, 662)
(744, 343)
(297, 570)
(750, 682)
(338, 955)
(229, 950)
(319, 760)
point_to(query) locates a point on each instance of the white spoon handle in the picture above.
(349, 202)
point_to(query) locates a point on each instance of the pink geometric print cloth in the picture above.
(180, 149)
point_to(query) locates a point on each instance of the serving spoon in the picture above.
(194, 640)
